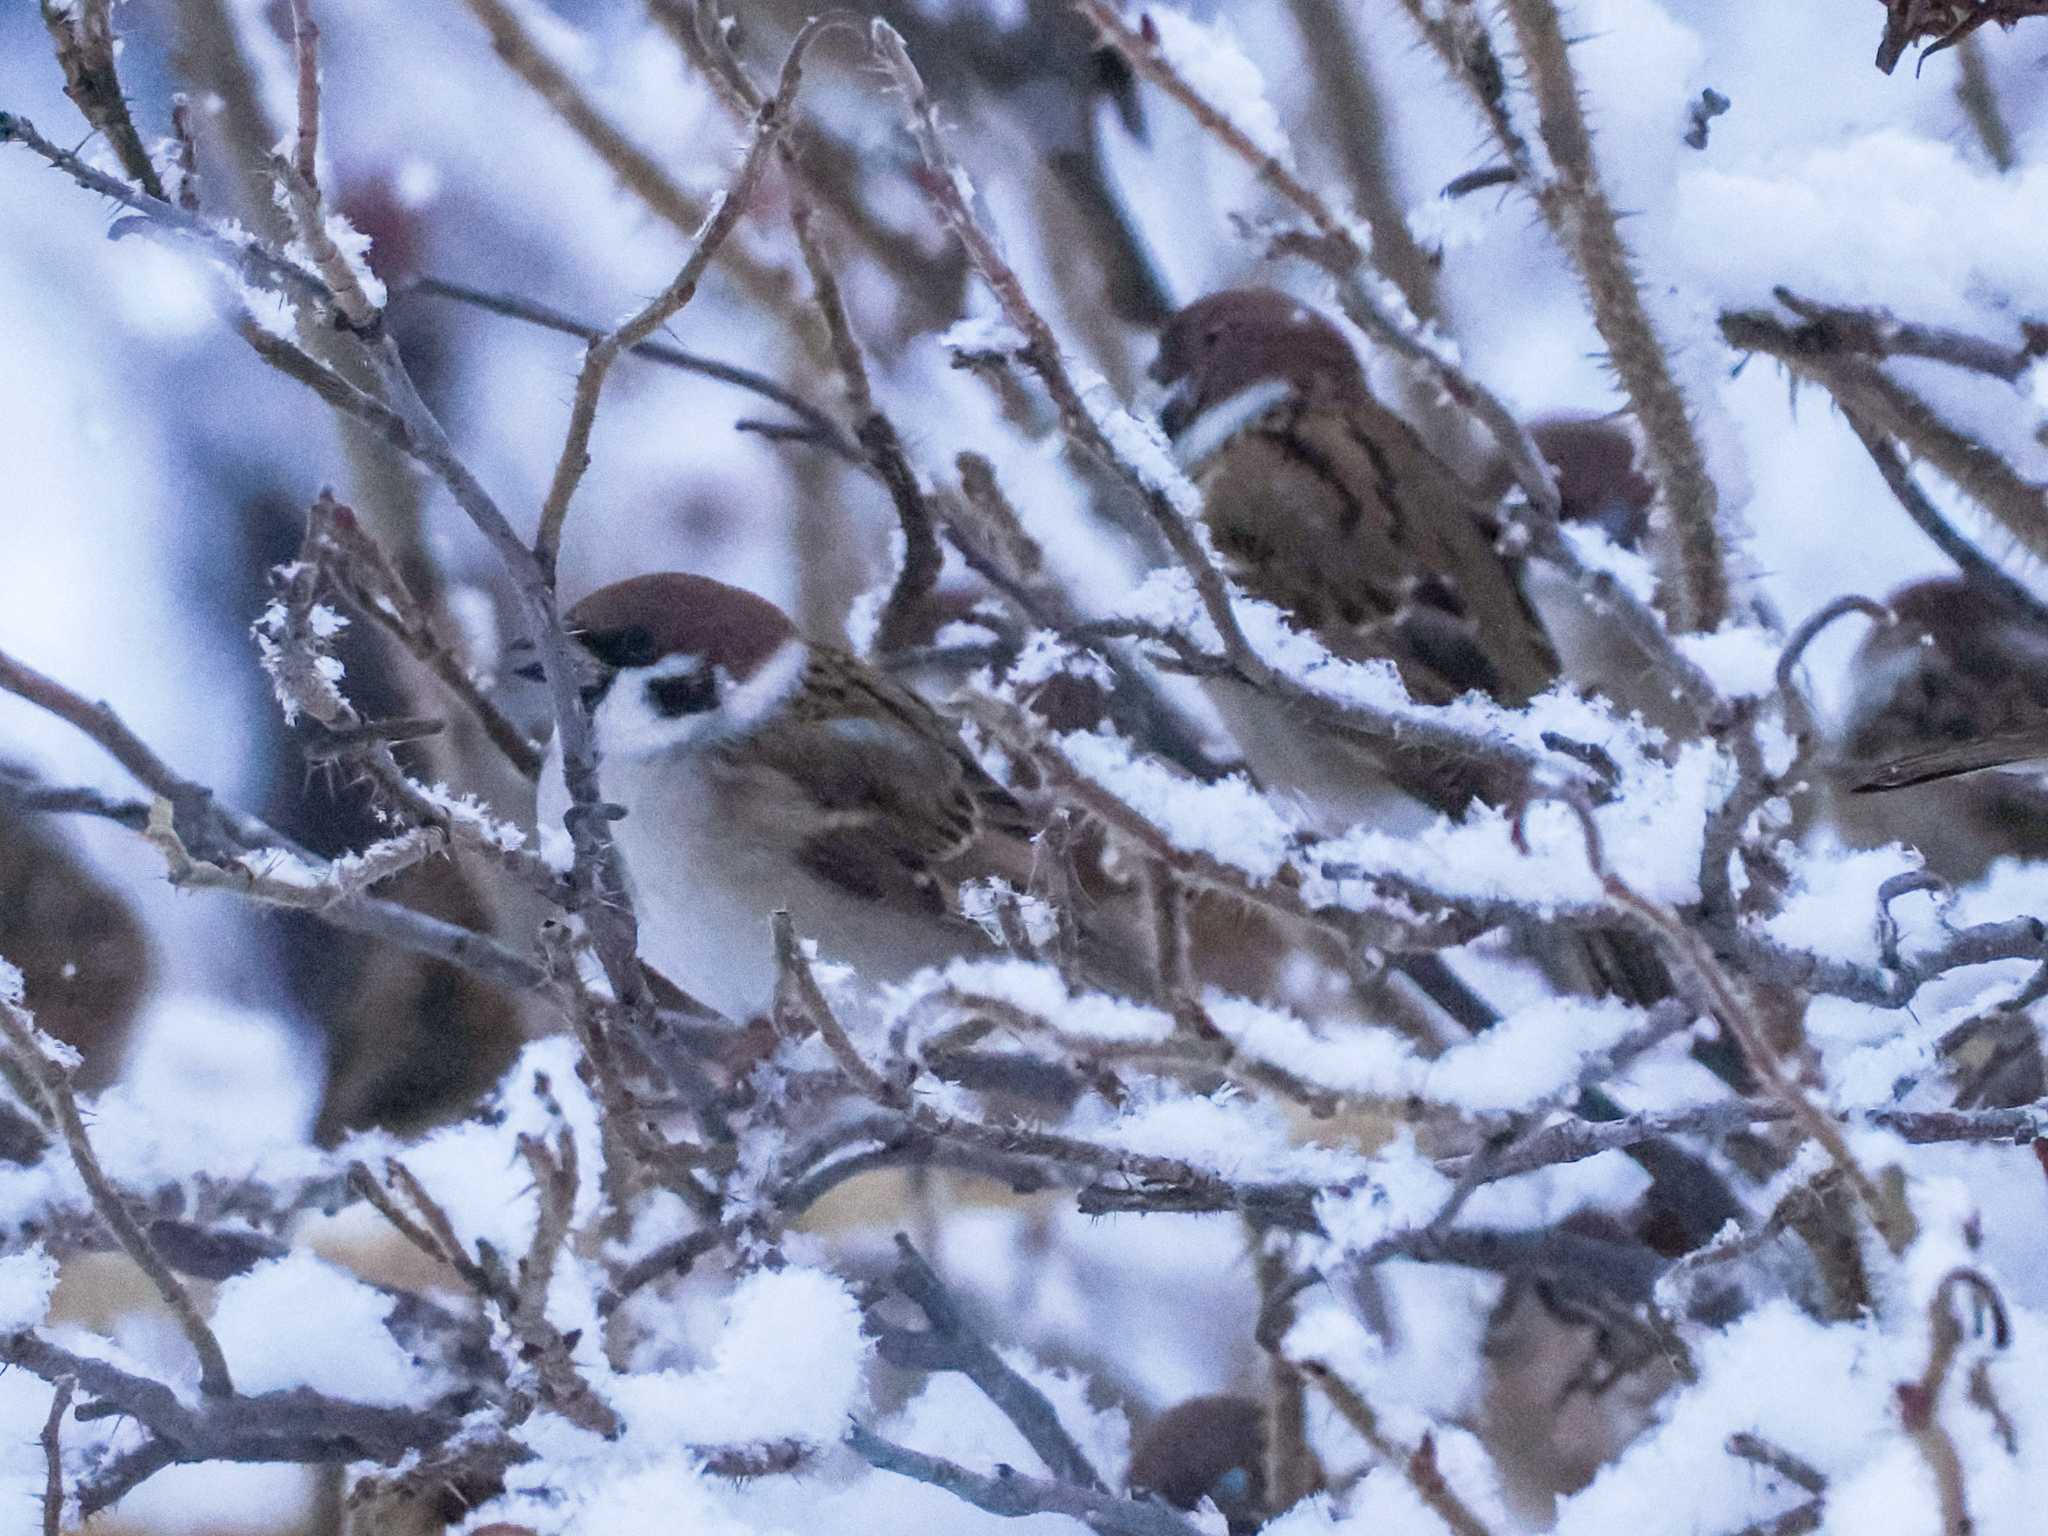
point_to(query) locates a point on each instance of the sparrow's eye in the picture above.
(632, 646)
(689, 694)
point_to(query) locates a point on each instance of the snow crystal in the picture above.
(1400, 1190)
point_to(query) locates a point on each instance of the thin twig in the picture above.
(306, 51)
(818, 427)
(54, 1084)
(724, 218)
(1010, 1493)
(262, 266)
(902, 618)
(1876, 403)
(53, 1457)
(1419, 1466)
(1879, 333)
(952, 1343)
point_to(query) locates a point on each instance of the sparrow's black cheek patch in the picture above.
(690, 694)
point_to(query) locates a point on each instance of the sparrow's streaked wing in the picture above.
(904, 812)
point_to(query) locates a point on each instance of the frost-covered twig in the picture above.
(733, 204)
(245, 256)
(1738, 1010)
(53, 1082)
(83, 35)
(365, 577)
(1419, 1466)
(542, 1346)
(1876, 403)
(1766, 959)
(293, 1426)
(1010, 1493)
(1879, 333)
(952, 1344)
(1575, 205)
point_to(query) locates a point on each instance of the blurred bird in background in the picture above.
(1958, 684)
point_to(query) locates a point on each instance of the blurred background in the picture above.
(155, 471)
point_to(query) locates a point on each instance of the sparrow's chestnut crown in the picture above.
(1224, 344)
(644, 619)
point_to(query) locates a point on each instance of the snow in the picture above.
(1208, 56)
(797, 1327)
(26, 1281)
(348, 1353)
(161, 471)
(1228, 820)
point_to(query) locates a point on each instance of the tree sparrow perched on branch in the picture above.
(759, 771)
(1325, 503)
(1322, 501)
(1958, 684)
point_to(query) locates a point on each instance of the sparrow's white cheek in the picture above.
(629, 724)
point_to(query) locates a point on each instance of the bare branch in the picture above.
(53, 1458)
(817, 428)
(769, 123)
(883, 446)
(54, 1084)
(1011, 1494)
(306, 51)
(1878, 404)
(952, 1344)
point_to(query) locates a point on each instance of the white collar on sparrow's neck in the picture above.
(1221, 422)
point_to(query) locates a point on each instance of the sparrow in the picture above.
(1322, 501)
(1957, 684)
(758, 771)
(1207, 1448)
(82, 951)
